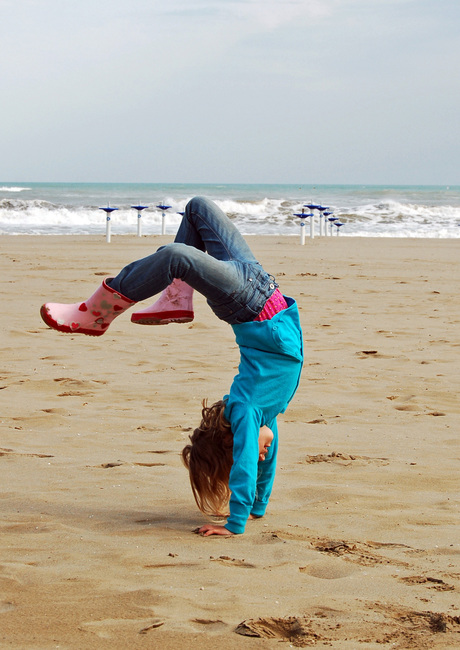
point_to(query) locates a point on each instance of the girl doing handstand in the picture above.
(231, 457)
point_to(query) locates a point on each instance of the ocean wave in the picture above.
(390, 210)
(272, 216)
(40, 217)
(13, 188)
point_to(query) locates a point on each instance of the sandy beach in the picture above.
(360, 544)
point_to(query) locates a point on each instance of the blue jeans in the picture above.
(211, 256)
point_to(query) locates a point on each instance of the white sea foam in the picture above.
(395, 219)
(40, 217)
(13, 188)
(376, 212)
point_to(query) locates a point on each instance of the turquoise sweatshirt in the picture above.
(268, 376)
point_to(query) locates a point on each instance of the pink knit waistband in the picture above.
(274, 304)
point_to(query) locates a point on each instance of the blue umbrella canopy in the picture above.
(108, 209)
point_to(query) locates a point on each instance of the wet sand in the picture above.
(360, 544)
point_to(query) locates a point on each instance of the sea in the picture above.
(354, 210)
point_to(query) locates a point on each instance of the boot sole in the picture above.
(66, 328)
(162, 319)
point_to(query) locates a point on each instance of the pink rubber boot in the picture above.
(91, 317)
(175, 305)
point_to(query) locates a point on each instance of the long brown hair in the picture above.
(209, 459)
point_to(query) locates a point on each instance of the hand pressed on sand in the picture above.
(212, 529)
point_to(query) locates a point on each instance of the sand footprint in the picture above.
(77, 387)
(211, 625)
(357, 552)
(431, 583)
(291, 628)
(111, 628)
(119, 463)
(386, 625)
(409, 406)
(332, 570)
(42, 418)
(10, 452)
(231, 561)
(345, 459)
(150, 464)
(420, 621)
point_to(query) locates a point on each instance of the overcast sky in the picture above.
(243, 91)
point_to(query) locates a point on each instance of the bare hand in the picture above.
(211, 529)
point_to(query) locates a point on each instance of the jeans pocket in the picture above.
(234, 309)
